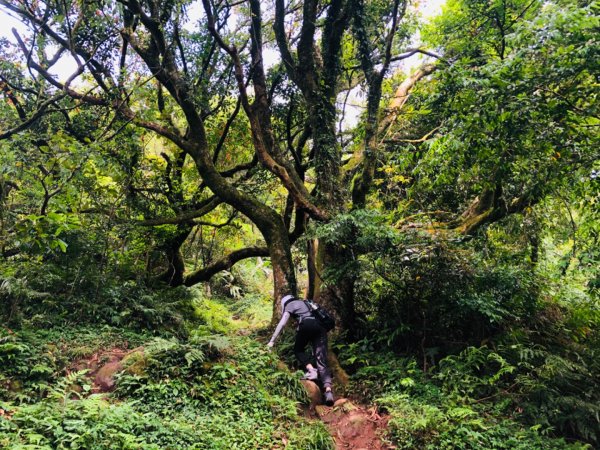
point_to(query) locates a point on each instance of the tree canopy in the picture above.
(175, 125)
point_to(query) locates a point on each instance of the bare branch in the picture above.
(217, 225)
(240, 167)
(412, 141)
(35, 116)
(63, 87)
(401, 96)
(412, 51)
(390, 37)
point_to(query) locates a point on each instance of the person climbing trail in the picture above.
(309, 330)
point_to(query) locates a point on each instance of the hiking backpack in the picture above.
(324, 317)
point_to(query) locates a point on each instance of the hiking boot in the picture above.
(328, 398)
(311, 375)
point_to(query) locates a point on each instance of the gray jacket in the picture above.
(296, 308)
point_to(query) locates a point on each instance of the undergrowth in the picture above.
(213, 388)
(511, 394)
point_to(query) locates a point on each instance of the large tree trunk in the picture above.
(316, 73)
(268, 221)
(284, 275)
(311, 263)
(337, 297)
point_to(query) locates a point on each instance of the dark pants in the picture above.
(309, 331)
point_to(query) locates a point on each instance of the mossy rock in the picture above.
(105, 377)
(313, 391)
(135, 362)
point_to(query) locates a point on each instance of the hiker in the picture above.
(309, 330)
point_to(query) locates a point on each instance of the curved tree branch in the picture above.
(282, 41)
(224, 263)
(35, 116)
(185, 217)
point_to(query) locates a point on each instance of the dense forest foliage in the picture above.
(170, 169)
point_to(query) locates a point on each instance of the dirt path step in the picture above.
(352, 426)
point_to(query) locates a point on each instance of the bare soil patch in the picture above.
(353, 426)
(103, 365)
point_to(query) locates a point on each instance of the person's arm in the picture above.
(282, 322)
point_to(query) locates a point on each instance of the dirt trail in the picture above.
(354, 426)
